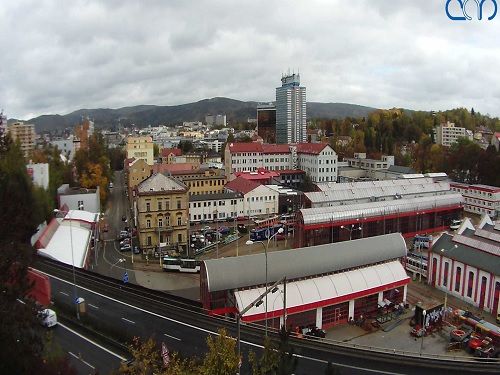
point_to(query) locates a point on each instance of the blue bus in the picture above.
(261, 234)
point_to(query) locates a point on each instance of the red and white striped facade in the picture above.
(467, 265)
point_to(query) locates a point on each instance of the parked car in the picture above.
(242, 218)
(111, 185)
(124, 218)
(125, 241)
(137, 250)
(313, 331)
(206, 228)
(126, 247)
(280, 237)
(242, 228)
(224, 230)
(229, 218)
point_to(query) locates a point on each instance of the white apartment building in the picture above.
(208, 207)
(446, 134)
(213, 144)
(39, 174)
(318, 160)
(66, 146)
(479, 199)
(257, 199)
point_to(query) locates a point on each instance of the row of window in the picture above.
(471, 191)
(161, 206)
(167, 221)
(262, 199)
(478, 201)
(479, 210)
(203, 183)
(458, 278)
(218, 191)
(209, 203)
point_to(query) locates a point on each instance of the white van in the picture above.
(48, 318)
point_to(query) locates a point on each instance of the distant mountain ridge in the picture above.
(144, 115)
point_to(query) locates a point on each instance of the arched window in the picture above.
(458, 275)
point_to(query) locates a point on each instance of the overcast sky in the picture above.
(59, 56)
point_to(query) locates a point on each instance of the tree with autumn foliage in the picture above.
(92, 166)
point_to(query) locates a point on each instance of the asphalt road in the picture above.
(87, 356)
(110, 261)
(188, 336)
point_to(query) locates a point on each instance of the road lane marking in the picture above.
(92, 342)
(131, 322)
(80, 359)
(65, 294)
(95, 307)
(208, 331)
(172, 337)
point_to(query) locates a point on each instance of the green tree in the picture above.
(287, 359)
(268, 363)
(21, 336)
(221, 358)
(186, 146)
(156, 150)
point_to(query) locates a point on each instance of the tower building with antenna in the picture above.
(290, 110)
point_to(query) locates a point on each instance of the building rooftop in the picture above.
(249, 270)
(241, 185)
(401, 169)
(260, 174)
(158, 182)
(169, 151)
(311, 148)
(466, 253)
(177, 167)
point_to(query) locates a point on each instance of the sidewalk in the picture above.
(424, 291)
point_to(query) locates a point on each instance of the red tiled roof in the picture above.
(245, 147)
(242, 185)
(310, 148)
(172, 168)
(167, 151)
(276, 149)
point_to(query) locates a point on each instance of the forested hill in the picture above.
(143, 115)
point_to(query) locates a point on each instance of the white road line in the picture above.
(95, 307)
(92, 342)
(131, 322)
(65, 294)
(208, 331)
(80, 359)
(172, 337)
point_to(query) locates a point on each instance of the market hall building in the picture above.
(315, 226)
(326, 285)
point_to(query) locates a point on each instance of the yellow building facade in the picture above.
(203, 181)
(161, 208)
(140, 148)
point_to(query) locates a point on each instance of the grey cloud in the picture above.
(59, 56)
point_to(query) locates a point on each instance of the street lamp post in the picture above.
(257, 302)
(266, 247)
(424, 313)
(350, 229)
(216, 214)
(75, 292)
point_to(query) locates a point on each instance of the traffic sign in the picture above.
(125, 277)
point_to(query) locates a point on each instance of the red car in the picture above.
(242, 218)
